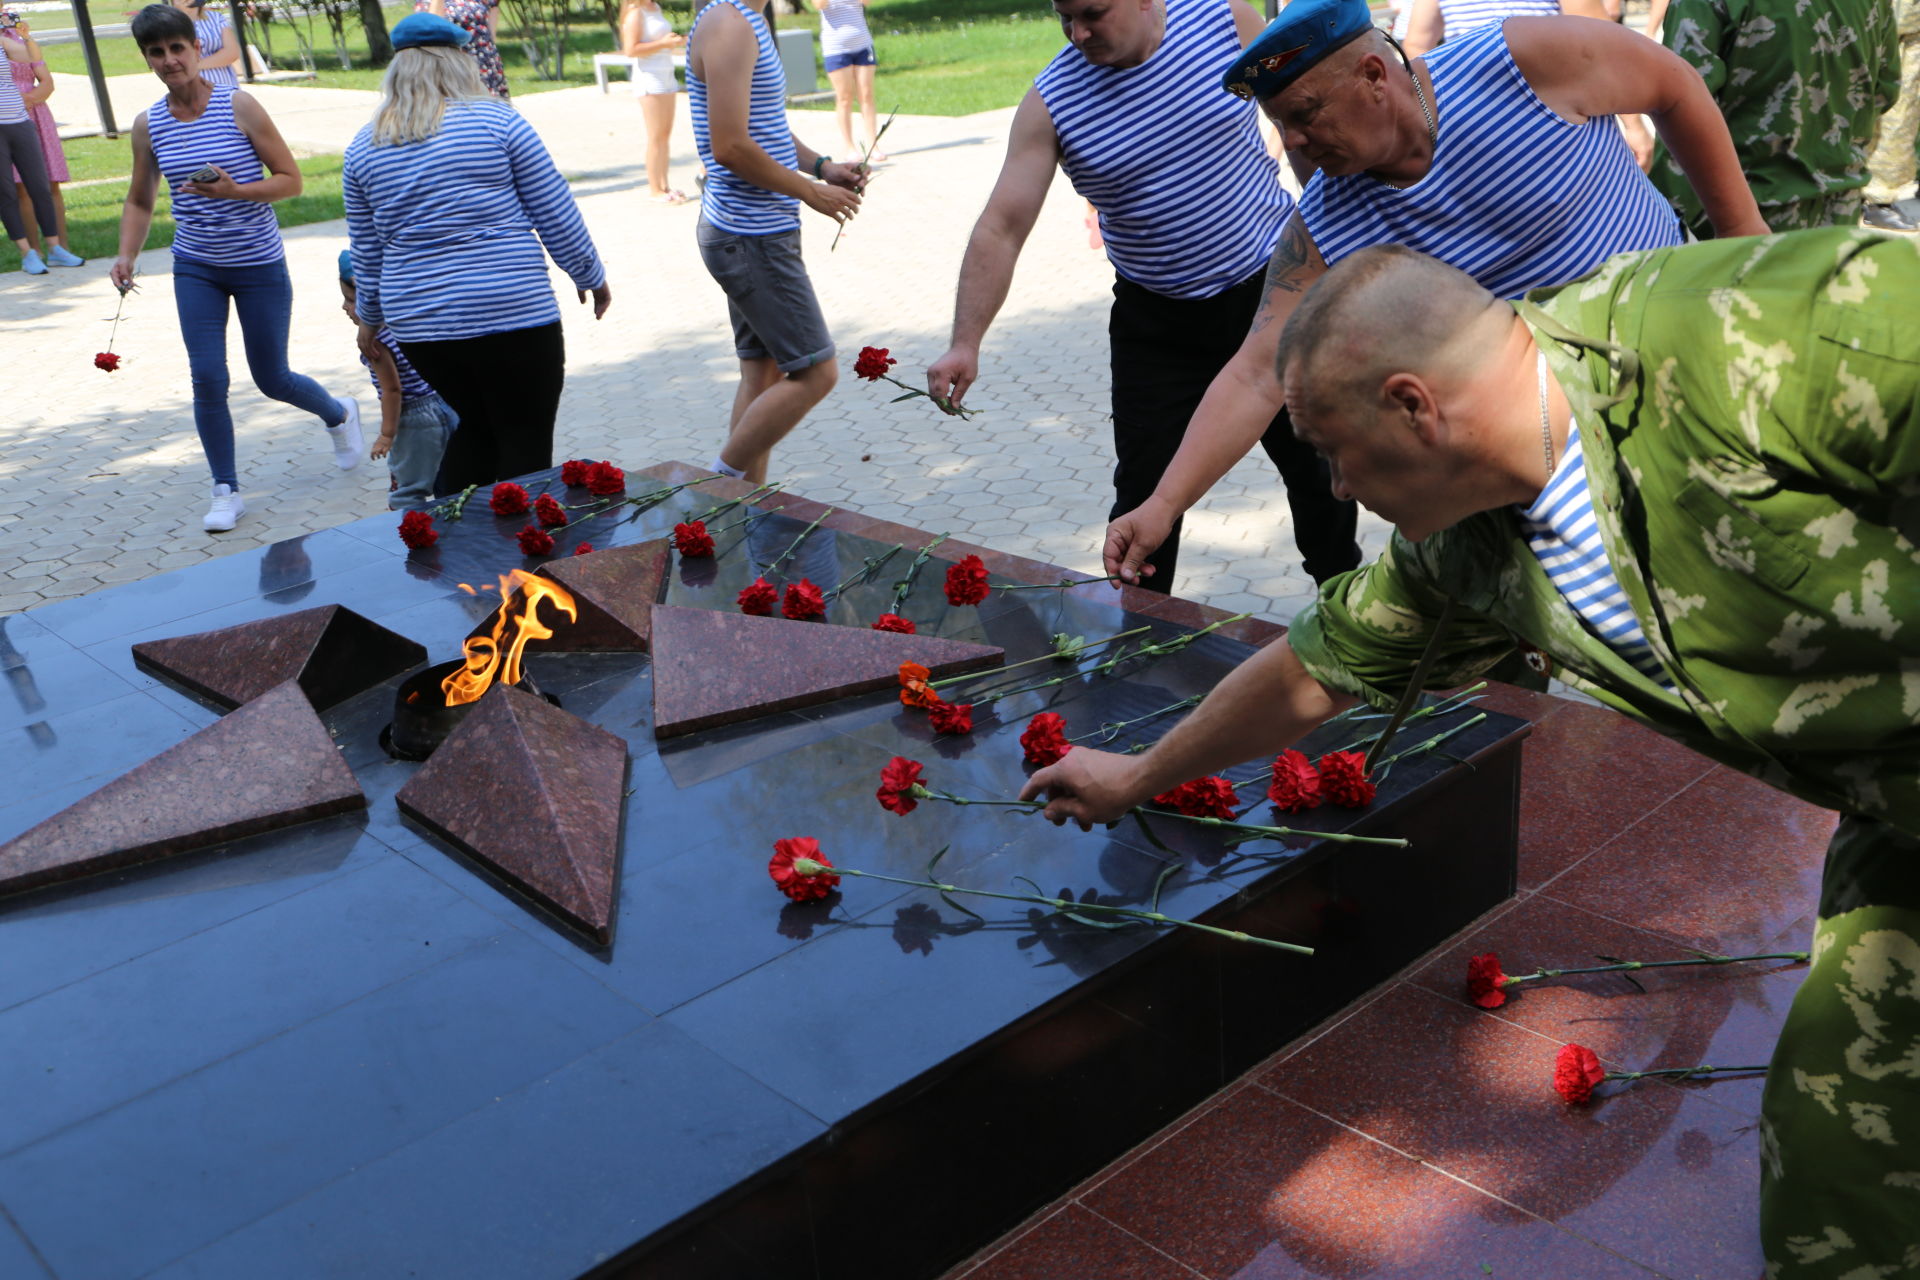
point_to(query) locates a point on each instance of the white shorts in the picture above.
(655, 75)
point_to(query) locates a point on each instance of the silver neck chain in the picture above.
(1546, 425)
(1420, 96)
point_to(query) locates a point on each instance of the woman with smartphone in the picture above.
(225, 164)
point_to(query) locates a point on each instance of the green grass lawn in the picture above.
(93, 212)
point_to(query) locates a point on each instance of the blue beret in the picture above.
(1305, 32)
(417, 29)
(346, 265)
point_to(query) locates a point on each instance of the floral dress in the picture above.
(474, 18)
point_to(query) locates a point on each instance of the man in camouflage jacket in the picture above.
(1746, 410)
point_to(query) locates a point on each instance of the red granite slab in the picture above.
(533, 794)
(268, 765)
(331, 651)
(613, 590)
(712, 668)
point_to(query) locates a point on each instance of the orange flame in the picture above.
(497, 656)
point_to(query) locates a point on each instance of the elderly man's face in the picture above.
(1377, 459)
(1108, 33)
(1329, 116)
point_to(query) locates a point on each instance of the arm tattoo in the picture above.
(1287, 270)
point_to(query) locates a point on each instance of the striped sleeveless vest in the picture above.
(1516, 197)
(1464, 17)
(219, 233)
(1190, 202)
(212, 31)
(729, 202)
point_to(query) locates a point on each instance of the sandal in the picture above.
(670, 197)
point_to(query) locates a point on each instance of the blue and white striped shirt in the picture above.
(412, 386)
(1565, 539)
(443, 229)
(1190, 202)
(13, 107)
(219, 233)
(1464, 17)
(212, 31)
(1516, 197)
(729, 202)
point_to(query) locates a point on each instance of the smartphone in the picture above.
(205, 173)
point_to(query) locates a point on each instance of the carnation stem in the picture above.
(1045, 657)
(1060, 585)
(921, 792)
(1445, 706)
(117, 312)
(864, 156)
(1067, 904)
(1174, 645)
(795, 546)
(871, 567)
(1419, 748)
(725, 507)
(1109, 731)
(1678, 1072)
(905, 585)
(1627, 966)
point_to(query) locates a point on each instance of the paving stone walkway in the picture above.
(105, 482)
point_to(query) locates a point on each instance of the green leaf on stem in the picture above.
(1160, 881)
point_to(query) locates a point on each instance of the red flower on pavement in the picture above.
(1485, 981)
(106, 360)
(1343, 779)
(603, 479)
(692, 539)
(583, 548)
(894, 622)
(898, 782)
(548, 512)
(758, 598)
(573, 472)
(967, 582)
(1208, 797)
(914, 689)
(802, 601)
(873, 363)
(1296, 783)
(1045, 739)
(951, 717)
(535, 542)
(806, 881)
(417, 531)
(507, 499)
(1576, 1071)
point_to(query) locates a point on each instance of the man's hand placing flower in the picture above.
(1088, 786)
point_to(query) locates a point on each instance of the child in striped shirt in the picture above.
(414, 421)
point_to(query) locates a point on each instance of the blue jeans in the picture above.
(263, 297)
(418, 444)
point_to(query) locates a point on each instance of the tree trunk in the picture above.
(374, 21)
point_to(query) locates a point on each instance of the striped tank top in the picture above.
(212, 31)
(1516, 196)
(413, 387)
(13, 107)
(219, 233)
(729, 202)
(1560, 529)
(1190, 202)
(1464, 17)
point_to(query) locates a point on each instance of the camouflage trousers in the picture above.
(1891, 163)
(1835, 209)
(1840, 1118)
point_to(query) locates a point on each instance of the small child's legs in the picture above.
(425, 425)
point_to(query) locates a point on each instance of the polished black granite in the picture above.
(337, 1050)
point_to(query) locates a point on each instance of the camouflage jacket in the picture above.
(1802, 84)
(1747, 410)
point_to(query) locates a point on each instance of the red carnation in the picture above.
(535, 542)
(508, 499)
(1485, 981)
(603, 479)
(1209, 797)
(803, 601)
(758, 598)
(573, 472)
(894, 622)
(1045, 739)
(914, 689)
(1576, 1071)
(1343, 779)
(967, 582)
(106, 360)
(801, 885)
(583, 548)
(873, 363)
(416, 530)
(951, 717)
(692, 539)
(549, 512)
(898, 782)
(1296, 783)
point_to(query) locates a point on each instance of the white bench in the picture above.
(602, 61)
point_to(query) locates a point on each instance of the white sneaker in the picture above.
(348, 447)
(226, 510)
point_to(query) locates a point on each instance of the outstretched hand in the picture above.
(1087, 786)
(949, 377)
(1132, 537)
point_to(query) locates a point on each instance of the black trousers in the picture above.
(1166, 352)
(20, 149)
(506, 389)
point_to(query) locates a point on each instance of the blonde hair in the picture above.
(418, 85)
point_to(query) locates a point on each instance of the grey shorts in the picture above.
(769, 297)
